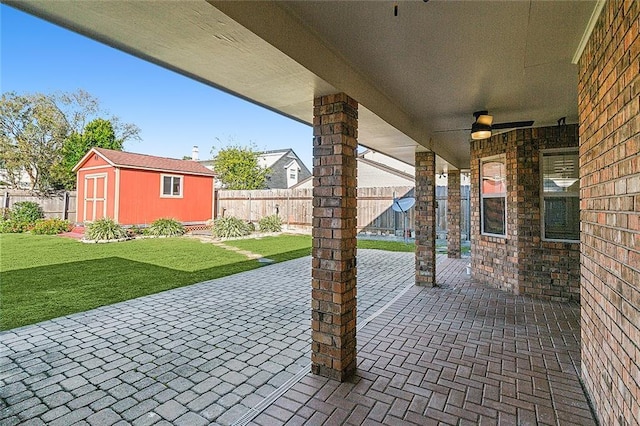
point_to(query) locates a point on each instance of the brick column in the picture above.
(453, 214)
(333, 321)
(425, 219)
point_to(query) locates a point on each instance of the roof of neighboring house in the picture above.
(386, 168)
(277, 160)
(269, 158)
(381, 168)
(132, 160)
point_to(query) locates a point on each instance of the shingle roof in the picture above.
(149, 162)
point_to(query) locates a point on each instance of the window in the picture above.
(292, 175)
(560, 195)
(171, 186)
(493, 196)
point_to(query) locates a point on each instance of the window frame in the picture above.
(562, 194)
(502, 158)
(172, 177)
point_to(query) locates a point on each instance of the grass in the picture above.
(387, 245)
(274, 247)
(44, 277)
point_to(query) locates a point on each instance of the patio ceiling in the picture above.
(418, 76)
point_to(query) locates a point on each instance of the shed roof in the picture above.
(132, 160)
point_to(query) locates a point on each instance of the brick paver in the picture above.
(205, 353)
(236, 350)
(458, 354)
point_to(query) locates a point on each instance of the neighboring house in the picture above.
(136, 189)
(21, 181)
(376, 170)
(286, 168)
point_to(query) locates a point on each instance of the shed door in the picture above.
(95, 197)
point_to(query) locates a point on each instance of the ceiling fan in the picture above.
(483, 126)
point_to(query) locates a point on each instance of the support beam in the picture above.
(333, 303)
(425, 219)
(454, 215)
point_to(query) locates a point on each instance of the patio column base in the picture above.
(333, 296)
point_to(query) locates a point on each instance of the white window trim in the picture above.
(293, 171)
(503, 158)
(162, 194)
(564, 194)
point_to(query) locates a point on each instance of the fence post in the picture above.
(5, 201)
(65, 209)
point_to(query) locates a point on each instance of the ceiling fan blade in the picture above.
(511, 125)
(452, 130)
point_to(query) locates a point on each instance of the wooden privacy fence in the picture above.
(295, 206)
(62, 206)
(375, 214)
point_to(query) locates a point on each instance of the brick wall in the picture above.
(608, 104)
(425, 218)
(454, 214)
(333, 269)
(523, 262)
(493, 259)
(546, 269)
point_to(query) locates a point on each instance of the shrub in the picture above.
(5, 213)
(105, 229)
(271, 223)
(226, 227)
(14, 226)
(165, 227)
(134, 230)
(51, 226)
(251, 227)
(26, 211)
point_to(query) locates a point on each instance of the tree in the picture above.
(98, 133)
(40, 135)
(32, 131)
(237, 167)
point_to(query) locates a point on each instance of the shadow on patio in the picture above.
(462, 353)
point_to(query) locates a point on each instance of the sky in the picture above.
(173, 112)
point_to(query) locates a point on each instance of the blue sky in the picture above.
(173, 112)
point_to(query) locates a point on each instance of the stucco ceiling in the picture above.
(418, 76)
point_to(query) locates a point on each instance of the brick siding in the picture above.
(523, 263)
(454, 214)
(425, 218)
(333, 303)
(608, 104)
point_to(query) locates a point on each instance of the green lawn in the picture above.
(387, 245)
(280, 248)
(43, 277)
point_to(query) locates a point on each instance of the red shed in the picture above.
(136, 189)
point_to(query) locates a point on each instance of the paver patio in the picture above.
(207, 352)
(458, 354)
(236, 350)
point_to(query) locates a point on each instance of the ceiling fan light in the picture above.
(485, 119)
(480, 131)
